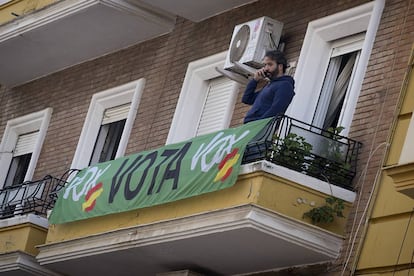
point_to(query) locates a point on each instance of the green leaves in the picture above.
(326, 213)
(327, 158)
(292, 152)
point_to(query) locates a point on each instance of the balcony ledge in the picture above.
(20, 263)
(212, 241)
(23, 219)
(300, 178)
(19, 233)
(48, 40)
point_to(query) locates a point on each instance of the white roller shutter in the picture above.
(25, 143)
(116, 113)
(217, 104)
(347, 45)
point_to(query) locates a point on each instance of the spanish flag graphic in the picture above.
(91, 196)
(226, 165)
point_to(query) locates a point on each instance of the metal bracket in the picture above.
(233, 76)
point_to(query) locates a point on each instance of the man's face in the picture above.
(270, 66)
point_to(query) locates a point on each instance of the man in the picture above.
(274, 98)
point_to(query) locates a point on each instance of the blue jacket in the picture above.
(272, 100)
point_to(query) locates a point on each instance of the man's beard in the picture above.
(271, 75)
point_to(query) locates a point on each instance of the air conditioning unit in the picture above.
(251, 40)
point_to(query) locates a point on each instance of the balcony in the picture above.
(23, 224)
(310, 150)
(41, 37)
(217, 233)
(32, 197)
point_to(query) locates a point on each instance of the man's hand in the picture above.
(260, 74)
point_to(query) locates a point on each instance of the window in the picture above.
(109, 134)
(107, 142)
(320, 57)
(108, 124)
(216, 107)
(407, 150)
(338, 79)
(21, 158)
(408, 146)
(17, 170)
(20, 147)
(206, 100)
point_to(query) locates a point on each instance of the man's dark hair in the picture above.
(277, 56)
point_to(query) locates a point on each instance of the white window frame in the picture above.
(192, 96)
(37, 121)
(4, 2)
(408, 146)
(339, 48)
(127, 93)
(315, 55)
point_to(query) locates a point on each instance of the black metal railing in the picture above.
(308, 149)
(31, 196)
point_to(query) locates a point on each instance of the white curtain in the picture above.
(339, 91)
(327, 90)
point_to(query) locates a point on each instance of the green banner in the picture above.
(203, 164)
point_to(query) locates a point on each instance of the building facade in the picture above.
(86, 82)
(388, 248)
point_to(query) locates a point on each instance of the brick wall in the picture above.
(376, 109)
(379, 96)
(163, 62)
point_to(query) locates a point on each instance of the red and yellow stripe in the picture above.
(226, 165)
(91, 196)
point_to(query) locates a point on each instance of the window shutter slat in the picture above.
(348, 45)
(216, 105)
(116, 113)
(25, 143)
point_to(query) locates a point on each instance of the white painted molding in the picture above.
(22, 219)
(408, 146)
(136, 99)
(315, 54)
(310, 237)
(24, 264)
(192, 97)
(18, 126)
(128, 93)
(2, 2)
(66, 8)
(250, 217)
(300, 178)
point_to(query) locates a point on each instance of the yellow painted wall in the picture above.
(389, 201)
(21, 7)
(387, 241)
(388, 246)
(391, 272)
(287, 197)
(24, 237)
(259, 188)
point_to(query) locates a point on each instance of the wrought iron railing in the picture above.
(31, 196)
(308, 149)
